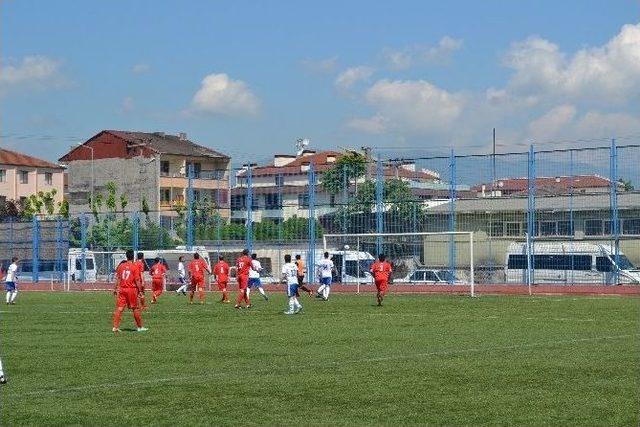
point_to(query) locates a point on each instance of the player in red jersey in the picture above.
(243, 265)
(381, 271)
(142, 267)
(196, 268)
(221, 273)
(158, 272)
(127, 290)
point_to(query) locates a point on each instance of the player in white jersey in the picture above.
(182, 277)
(3, 379)
(254, 277)
(290, 275)
(325, 274)
(11, 280)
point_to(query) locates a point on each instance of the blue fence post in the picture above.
(135, 243)
(379, 204)
(311, 255)
(452, 215)
(531, 214)
(189, 237)
(36, 249)
(59, 249)
(615, 218)
(280, 182)
(11, 243)
(249, 225)
(345, 195)
(83, 247)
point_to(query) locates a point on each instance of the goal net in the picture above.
(418, 259)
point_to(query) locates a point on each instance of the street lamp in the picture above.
(93, 183)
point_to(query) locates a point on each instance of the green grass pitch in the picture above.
(420, 359)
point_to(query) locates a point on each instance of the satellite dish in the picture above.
(301, 143)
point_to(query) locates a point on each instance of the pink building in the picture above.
(22, 176)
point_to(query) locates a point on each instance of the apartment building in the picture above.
(22, 175)
(150, 166)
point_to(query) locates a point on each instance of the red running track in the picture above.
(486, 289)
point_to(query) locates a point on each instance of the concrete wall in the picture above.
(136, 177)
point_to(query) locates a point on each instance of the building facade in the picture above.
(22, 176)
(149, 168)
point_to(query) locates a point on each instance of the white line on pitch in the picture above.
(206, 377)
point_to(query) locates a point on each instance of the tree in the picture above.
(349, 167)
(627, 185)
(9, 209)
(63, 209)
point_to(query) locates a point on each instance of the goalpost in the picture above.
(434, 258)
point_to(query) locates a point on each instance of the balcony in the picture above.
(204, 181)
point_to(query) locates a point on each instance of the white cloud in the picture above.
(552, 123)
(374, 125)
(414, 105)
(320, 66)
(604, 75)
(32, 72)
(141, 68)
(128, 105)
(402, 59)
(351, 76)
(219, 94)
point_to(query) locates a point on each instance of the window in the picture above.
(279, 180)
(631, 226)
(549, 228)
(593, 227)
(272, 201)
(512, 229)
(565, 228)
(604, 264)
(3, 200)
(165, 194)
(430, 276)
(24, 177)
(332, 200)
(222, 197)
(418, 276)
(239, 202)
(3, 175)
(517, 262)
(197, 169)
(48, 178)
(562, 262)
(303, 200)
(164, 168)
(497, 229)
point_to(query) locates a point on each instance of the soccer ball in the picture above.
(346, 247)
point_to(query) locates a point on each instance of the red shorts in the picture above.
(127, 297)
(157, 285)
(222, 285)
(243, 282)
(197, 283)
(381, 285)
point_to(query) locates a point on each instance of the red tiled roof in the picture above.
(550, 183)
(320, 163)
(8, 157)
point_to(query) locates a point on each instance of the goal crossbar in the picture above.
(424, 233)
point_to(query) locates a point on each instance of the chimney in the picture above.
(331, 158)
(280, 160)
(306, 153)
(182, 136)
(305, 167)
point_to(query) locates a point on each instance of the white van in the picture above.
(570, 263)
(75, 264)
(351, 266)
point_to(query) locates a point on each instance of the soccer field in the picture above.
(420, 359)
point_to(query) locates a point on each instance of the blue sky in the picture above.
(248, 78)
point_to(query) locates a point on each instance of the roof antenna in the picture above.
(301, 143)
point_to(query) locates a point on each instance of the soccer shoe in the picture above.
(249, 306)
(142, 329)
(3, 379)
(237, 307)
(289, 312)
(298, 310)
(115, 330)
